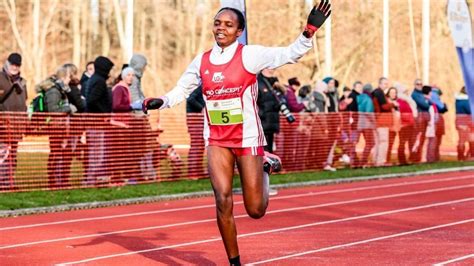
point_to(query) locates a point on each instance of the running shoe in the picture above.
(271, 163)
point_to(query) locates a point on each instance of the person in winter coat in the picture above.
(383, 114)
(268, 107)
(430, 133)
(13, 95)
(123, 131)
(464, 126)
(349, 134)
(139, 62)
(423, 105)
(407, 135)
(86, 75)
(442, 108)
(319, 156)
(99, 100)
(77, 123)
(55, 90)
(290, 133)
(99, 97)
(333, 119)
(366, 122)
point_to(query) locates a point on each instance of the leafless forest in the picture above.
(170, 33)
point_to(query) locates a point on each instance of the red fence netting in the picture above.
(55, 151)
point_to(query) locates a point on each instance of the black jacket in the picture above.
(99, 98)
(74, 96)
(268, 105)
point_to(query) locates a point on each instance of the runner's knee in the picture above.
(224, 202)
(256, 212)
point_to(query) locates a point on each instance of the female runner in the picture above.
(233, 131)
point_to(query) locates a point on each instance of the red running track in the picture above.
(421, 220)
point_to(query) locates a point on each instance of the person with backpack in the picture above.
(13, 95)
(55, 90)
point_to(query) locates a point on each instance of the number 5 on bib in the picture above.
(225, 112)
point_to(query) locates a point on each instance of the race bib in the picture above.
(225, 112)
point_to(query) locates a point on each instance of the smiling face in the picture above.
(392, 94)
(226, 28)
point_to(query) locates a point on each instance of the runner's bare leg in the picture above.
(221, 170)
(255, 185)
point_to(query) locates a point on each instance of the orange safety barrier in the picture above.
(53, 151)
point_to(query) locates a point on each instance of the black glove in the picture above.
(151, 104)
(316, 18)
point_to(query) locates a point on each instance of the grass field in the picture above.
(13, 201)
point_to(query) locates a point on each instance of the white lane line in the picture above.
(310, 194)
(364, 241)
(273, 230)
(454, 260)
(237, 216)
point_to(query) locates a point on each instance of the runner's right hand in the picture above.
(151, 104)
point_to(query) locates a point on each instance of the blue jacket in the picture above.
(436, 99)
(366, 112)
(422, 104)
(462, 105)
(365, 103)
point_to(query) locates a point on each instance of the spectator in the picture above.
(86, 75)
(123, 133)
(268, 107)
(423, 105)
(366, 122)
(407, 119)
(383, 111)
(349, 135)
(13, 95)
(77, 132)
(394, 129)
(431, 128)
(442, 108)
(464, 126)
(320, 145)
(99, 100)
(304, 126)
(293, 104)
(55, 90)
(139, 62)
(195, 122)
(333, 119)
(290, 134)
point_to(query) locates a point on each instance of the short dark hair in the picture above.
(357, 82)
(426, 89)
(240, 16)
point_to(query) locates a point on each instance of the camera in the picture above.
(283, 106)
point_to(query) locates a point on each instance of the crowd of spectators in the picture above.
(313, 126)
(329, 127)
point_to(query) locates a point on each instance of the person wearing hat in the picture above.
(13, 95)
(99, 101)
